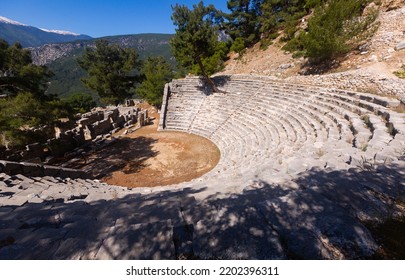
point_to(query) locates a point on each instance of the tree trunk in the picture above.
(207, 78)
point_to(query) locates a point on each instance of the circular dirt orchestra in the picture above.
(148, 158)
(165, 158)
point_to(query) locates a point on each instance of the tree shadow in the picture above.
(319, 215)
(314, 67)
(219, 81)
(126, 154)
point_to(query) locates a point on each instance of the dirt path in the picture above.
(147, 158)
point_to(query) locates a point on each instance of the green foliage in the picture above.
(156, 73)
(17, 73)
(25, 107)
(80, 102)
(215, 62)
(281, 15)
(196, 39)
(400, 73)
(67, 78)
(68, 73)
(242, 22)
(313, 3)
(238, 45)
(265, 43)
(19, 116)
(336, 28)
(111, 70)
(295, 45)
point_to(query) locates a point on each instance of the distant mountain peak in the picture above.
(30, 36)
(62, 32)
(10, 21)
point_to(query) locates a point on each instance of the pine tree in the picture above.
(18, 74)
(242, 22)
(80, 102)
(24, 104)
(110, 70)
(196, 38)
(156, 73)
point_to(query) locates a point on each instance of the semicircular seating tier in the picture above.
(269, 129)
(285, 186)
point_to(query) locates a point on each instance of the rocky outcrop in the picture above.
(48, 53)
(358, 80)
(392, 4)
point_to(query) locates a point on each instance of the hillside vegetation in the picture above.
(61, 59)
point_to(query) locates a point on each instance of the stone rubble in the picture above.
(93, 128)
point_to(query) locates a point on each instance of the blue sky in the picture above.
(98, 18)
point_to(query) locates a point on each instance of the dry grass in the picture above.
(401, 72)
(400, 108)
(320, 153)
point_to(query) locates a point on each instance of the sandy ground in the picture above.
(147, 158)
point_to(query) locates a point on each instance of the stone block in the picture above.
(35, 150)
(30, 169)
(10, 168)
(120, 121)
(59, 147)
(72, 173)
(51, 171)
(93, 117)
(102, 127)
(112, 115)
(400, 46)
(78, 136)
(129, 103)
(141, 118)
(84, 122)
(88, 133)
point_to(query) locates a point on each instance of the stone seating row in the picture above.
(255, 122)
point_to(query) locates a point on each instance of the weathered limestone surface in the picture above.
(319, 216)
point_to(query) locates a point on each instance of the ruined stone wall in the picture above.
(39, 170)
(92, 127)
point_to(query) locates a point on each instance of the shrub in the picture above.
(238, 45)
(400, 73)
(80, 102)
(336, 28)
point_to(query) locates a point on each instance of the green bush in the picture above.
(336, 28)
(215, 62)
(80, 102)
(400, 73)
(295, 44)
(156, 73)
(238, 45)
(19, 116)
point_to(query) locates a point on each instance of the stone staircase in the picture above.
(302, 170)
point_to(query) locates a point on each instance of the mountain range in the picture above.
(30, 36)
(58, 50)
